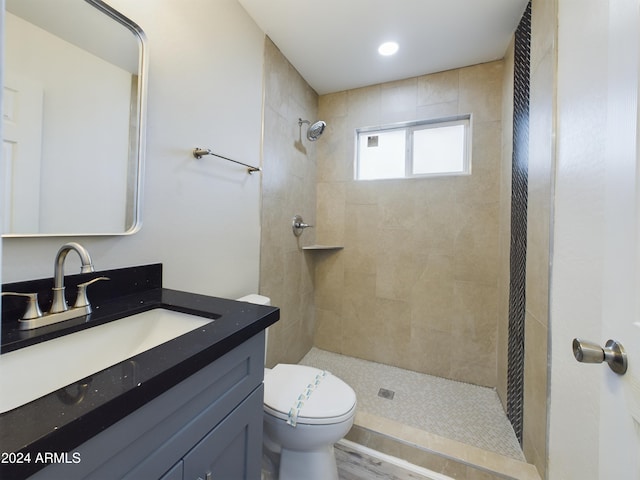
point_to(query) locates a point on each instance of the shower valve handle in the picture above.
(298, 225)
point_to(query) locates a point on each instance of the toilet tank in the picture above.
(259, 300)
(255, 298)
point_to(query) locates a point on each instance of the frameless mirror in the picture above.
(73, 119)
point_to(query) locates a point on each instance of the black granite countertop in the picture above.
(54, 423)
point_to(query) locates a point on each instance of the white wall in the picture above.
(2, 167)
(200, 217)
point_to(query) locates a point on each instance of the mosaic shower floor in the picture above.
(455, 410)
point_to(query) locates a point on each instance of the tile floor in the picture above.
(466, 413)
(355, 463)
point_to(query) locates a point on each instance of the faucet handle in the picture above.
(81, 298)
(33, 308)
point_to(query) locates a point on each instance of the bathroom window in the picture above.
(414, 149)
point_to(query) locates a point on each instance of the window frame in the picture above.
(409, 128)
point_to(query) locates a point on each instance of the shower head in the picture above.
(315, 129)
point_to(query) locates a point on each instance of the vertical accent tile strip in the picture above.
(518, 253)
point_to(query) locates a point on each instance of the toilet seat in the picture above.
(329, 401)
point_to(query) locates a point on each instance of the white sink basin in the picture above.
(34, 371)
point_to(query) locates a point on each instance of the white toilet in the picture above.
(306, 411)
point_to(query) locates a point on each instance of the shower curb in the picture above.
(433, 451)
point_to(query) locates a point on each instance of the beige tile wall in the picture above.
(416, 285)
(541, 168)
(504, 276)
(288, 188)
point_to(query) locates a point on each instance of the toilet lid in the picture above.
(325, 398)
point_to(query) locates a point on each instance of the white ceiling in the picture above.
(333, 43)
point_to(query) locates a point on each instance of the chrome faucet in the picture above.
(59, 311)
(59, 303)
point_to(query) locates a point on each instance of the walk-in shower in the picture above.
(420, 284)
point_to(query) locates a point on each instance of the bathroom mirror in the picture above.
(73, 119)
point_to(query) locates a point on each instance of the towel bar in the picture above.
(201, 152)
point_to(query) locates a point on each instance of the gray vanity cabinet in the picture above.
(209, 426)
(224, 452)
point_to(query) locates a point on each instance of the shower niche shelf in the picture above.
(325, 248)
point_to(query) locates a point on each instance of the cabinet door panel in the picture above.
(176, 472)
(232, 450)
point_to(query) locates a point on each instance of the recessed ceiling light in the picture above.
(388, 48)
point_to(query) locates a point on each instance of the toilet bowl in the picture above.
(306, 411)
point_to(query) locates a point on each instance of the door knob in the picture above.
(613, 353)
